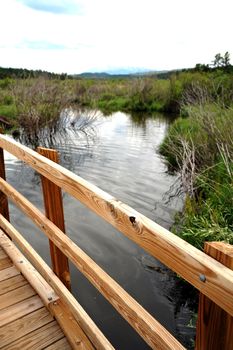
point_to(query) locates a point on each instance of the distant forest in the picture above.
(23, 73)
(220, 63)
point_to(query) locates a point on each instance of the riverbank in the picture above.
(199, 147)
(43, 98)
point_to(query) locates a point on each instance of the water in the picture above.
(119, 154)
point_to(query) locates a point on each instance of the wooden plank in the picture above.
(79, 313)
(5, 263)
(70, 327)
(215, 326)
(61, 344)
(16, 296)
(38, 339)
(181, 257)
(4, 210)
(32, 276)
(54, 212)
(20, 309)
(8, 273)
(24, 325)
(150, 330)
(12, 283)
(2, 254)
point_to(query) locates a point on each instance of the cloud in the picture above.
(40, 45)
(68, 7)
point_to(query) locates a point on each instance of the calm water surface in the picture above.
(119, 154)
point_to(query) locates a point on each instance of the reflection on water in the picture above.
(121, 157)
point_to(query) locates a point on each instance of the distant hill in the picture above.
(123, 73)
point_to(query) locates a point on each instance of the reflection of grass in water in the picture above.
(68, 127)
(185, 299)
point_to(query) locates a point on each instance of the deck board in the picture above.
(38, 339)
(5, 262)
(61, 344)
(15, 296)
(11, 284)
(8, 273)
(19, 310)
(25, 325)
(25, 322)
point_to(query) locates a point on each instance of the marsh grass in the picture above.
(199, 147)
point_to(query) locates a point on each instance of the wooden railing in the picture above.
(210, 277)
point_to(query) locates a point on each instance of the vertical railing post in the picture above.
(4, 209)
(214, 325)
(54, 212)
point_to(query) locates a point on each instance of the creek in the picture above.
(119, 154)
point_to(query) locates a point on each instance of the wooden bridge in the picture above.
(37, 309)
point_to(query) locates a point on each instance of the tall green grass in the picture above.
(200, 148)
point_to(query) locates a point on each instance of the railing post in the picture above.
(4, 209)
(54, 212)
(214, 325)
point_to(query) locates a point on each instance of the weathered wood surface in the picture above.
(16, 296)
(19, 310)
(4, 263)
(4, 210)
(25, 323)
(150, 330)
(42, 288)
(54, 212)
(38, 339)
(181, 257)
(18, 328)
(24, 320)
(8, 273)
(69, 325)
(215, 326)
(78, 312)
(11, 284)
(59, 345)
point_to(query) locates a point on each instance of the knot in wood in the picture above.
(132, 219)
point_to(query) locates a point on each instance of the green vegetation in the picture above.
(199, 146)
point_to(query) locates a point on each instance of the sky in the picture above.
(75, 36)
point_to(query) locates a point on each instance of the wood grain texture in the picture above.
(11, 284)
(215, 326)
(16, 311)
(181, 257)
(2, 254)
(61, 344)
(78, 312)
(54, 212)
(24, 325)
(16, 296)
(8, 273)
(4, 210)
(149, 329)
(42, 288)
(38, 339)
(70, 327)
(5, 263)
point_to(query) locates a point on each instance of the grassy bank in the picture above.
(200, 148)
(147, 94)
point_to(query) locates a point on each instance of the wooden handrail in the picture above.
(181, 257)
(150, 330)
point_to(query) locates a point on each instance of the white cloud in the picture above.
(156, 34)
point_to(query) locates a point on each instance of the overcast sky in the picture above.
(74, 36)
